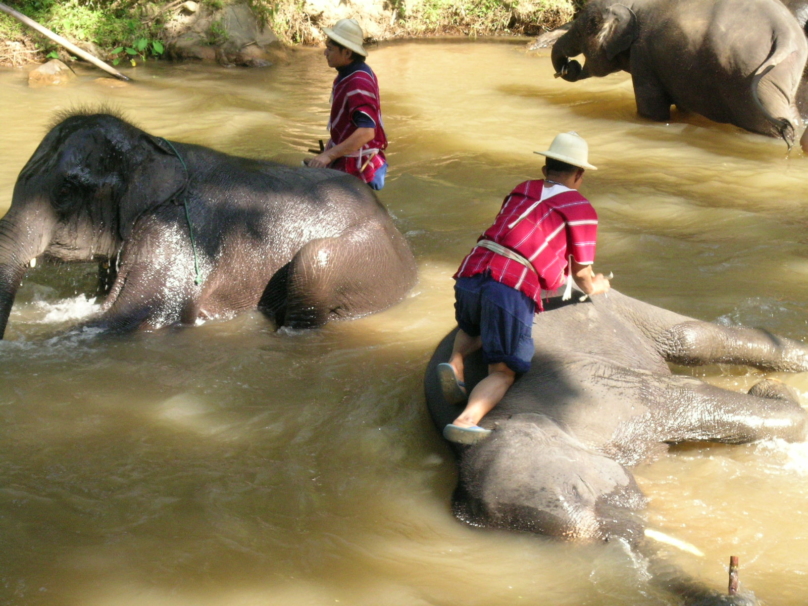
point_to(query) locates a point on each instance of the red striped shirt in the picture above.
(546, 232)
(357, 92)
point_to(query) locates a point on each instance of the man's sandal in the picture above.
(465, 435)
(454, 391)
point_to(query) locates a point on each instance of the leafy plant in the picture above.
(264, 10)
(216, 33)
(142, 48)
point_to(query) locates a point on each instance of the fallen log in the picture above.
(62, 41)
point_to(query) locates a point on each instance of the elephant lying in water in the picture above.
(194, 233)
(600, 398)
(734, 62)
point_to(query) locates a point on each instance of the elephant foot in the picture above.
(787, 132)
(774, 390)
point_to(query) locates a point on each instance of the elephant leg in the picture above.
(154, 285)
(653, 102)
(303, 293)
(696, 343)
(775, 94)
(335, 278)
(695, 411)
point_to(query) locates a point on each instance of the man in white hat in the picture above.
(543, 236)
(358, 140)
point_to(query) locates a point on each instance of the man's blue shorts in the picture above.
(501, 315)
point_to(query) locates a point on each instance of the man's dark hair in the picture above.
(557, 166)
(355, 57)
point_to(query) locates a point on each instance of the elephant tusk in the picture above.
(669, 540)
(562, 72)
(32, 262)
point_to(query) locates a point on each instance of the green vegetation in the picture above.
(143, 47)
(136, 30)
(216, 33)
(104, 24)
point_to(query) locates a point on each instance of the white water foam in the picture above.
(787, 457)
(66, 310)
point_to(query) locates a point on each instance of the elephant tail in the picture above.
(784, 127)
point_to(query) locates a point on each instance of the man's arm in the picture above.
(353, 143)
(587, 280)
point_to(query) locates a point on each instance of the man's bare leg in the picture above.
(486, 394)
(464, 344)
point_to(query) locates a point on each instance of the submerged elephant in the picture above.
(599, 399)
(734, 62)
(194, 233)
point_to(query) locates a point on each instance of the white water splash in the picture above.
(787, 457)
(66, 310)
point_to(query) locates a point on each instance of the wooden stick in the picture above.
(733, 575)
(59, 40)
(318, 151)
(365, 165)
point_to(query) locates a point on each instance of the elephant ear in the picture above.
(156, 176)
(619, 30)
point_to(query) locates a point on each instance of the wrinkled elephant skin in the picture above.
(193, 233)
(732, 62)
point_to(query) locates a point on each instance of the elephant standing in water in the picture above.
(735, 62)
(194, 233)
(600, 398)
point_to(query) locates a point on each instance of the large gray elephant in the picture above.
(799, 8)
(733, 62)
(191, 233)
(599, 399)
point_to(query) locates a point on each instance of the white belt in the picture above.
(515, 256)
(506, 252)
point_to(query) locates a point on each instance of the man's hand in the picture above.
(587, 281)
(352, 144)
(600, 284)
(322, 160)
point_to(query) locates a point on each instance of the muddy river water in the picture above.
(230, 465)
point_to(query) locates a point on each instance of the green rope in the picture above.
(198, 278)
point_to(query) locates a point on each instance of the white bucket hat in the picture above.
(570, 148)
(347, 33)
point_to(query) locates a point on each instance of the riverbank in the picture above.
(252, 32)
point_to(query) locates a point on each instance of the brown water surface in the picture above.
(230, 465)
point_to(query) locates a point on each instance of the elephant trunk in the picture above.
(23, 237)
(564, 48)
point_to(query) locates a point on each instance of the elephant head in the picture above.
(519, 479)
(603, 33)
(80, 193)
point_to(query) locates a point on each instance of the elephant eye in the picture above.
(593, 25)
(74, 188)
